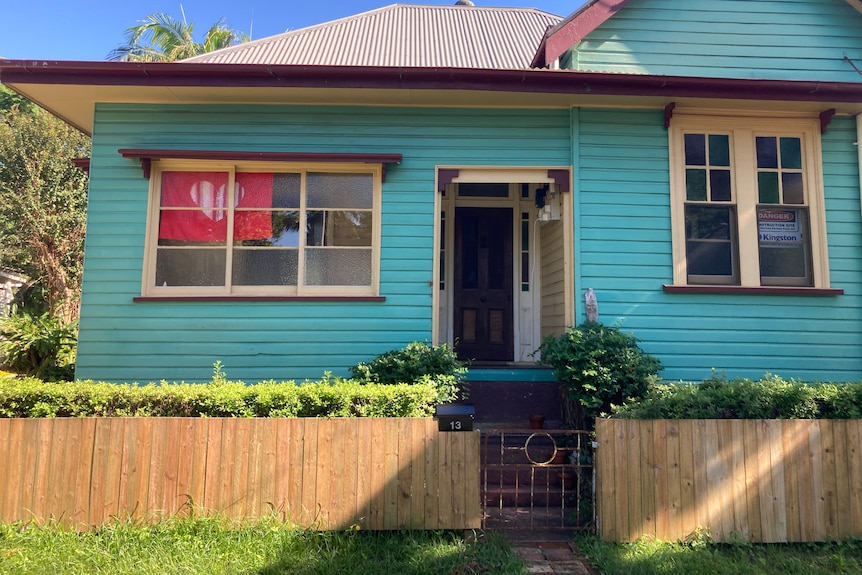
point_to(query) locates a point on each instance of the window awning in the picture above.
(146, 156)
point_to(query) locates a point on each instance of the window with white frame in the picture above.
(219, 229)
(747, 202)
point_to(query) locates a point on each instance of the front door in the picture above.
(482, 298)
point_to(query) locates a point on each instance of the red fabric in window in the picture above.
(207, 191)
(254, 190)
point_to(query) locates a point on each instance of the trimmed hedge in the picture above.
(769, 398)
(30, 397)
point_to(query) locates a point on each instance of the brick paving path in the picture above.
(549, 554)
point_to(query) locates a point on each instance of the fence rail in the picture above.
(323, 473)
(760, 480)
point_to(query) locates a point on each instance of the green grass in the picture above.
(212, 546)
(702, 557)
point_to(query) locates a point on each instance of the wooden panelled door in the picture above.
(483, 316)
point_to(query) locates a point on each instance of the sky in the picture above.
(90, 29)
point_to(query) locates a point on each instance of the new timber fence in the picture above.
(321, 473)
(758, 480)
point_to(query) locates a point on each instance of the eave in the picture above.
(71, 90)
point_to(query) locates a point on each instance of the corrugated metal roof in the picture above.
(405, 35)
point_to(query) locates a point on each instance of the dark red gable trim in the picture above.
(574, 28)
(561, 179)
(82, 164)
(146, 156)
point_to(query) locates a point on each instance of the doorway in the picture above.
(482, 297)
(502, 265)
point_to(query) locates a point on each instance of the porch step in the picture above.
(512, 402)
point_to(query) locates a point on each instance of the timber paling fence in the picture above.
(374, 473)
(755, 480)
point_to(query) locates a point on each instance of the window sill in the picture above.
(806, 291)
(146, 299)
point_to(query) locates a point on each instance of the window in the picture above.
(263, 229)
(747, 202)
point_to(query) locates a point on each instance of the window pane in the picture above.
(199, 202)
(192, 227)
(791, 153)
(340, 191)
(710, 244)
(767, 152)
(791, 184)
(285, 190)
(719, 185)
(695, 185)
(767, 187)
(484, 190)
(337, 267)
(708, 258)
(253, 190)
(265, 266)
(719, 150)
(695, 149)
(784, 247)
(707, 223)
(282, 229)
(194, 189)
(190, 267)
(338, 228)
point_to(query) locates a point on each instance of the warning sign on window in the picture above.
(779, 226)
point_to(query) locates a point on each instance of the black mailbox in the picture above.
(455, 417)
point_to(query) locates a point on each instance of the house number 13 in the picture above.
(455, 425)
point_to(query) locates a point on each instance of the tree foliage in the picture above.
(162, 38)
(43, 200)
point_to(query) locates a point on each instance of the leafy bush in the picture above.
(769, 398)
(417, 363)
(38, 345)
(597, 366)
(31, 397)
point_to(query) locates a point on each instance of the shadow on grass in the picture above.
(703, 557)
(395, 552)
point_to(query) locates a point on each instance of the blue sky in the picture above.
(90, 29)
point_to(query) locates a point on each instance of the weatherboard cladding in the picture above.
(625, 255)
(405, 36)
(123, 340)
(789, 40)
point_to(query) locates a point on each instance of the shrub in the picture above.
(417, 363)
(771, 397)
(31, 397)
(597, 366)
(40, 346)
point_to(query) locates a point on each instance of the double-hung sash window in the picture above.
(747, 202)
(262, 229)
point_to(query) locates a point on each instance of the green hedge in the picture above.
(769, 398)
(30, 397)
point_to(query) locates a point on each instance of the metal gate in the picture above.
(538, 479)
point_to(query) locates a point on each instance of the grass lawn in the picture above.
(701, 557)
(211, 546)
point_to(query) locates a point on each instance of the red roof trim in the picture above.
(574, 28)
(146, 156)
(537, 81)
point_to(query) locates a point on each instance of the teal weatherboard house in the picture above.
(466, 174)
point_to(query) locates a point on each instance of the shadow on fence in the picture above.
(378, 474)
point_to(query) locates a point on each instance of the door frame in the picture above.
(530, 335)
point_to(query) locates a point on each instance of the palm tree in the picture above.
(162, 38)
